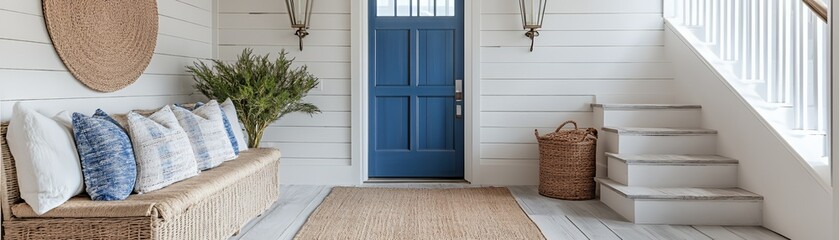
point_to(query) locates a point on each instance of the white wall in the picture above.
(316, 150)
(606, 51)
(31, 71)
(796, 205)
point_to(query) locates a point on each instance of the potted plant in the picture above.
(262, 90)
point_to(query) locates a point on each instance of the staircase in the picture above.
(661, 168)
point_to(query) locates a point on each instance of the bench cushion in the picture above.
(165, 203)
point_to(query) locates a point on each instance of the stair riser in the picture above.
(685, 212)
(710, 176)
(670, 118)
(678, 144)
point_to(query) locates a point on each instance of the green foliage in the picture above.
(262, 90)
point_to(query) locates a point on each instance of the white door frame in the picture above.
(359, 58)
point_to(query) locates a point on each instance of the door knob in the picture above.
(458, 90)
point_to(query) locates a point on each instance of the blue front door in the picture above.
(416, 66)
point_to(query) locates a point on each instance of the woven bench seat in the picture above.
(167, 202)
(213, 205)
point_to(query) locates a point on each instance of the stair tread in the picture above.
(645, 106)
(671, 159)
(679, 193)
(658, 131)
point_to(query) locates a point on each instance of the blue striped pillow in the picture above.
(227, 127)
(108, 163)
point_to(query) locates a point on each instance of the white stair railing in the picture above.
(779, 50)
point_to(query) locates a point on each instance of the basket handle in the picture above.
(566, 122)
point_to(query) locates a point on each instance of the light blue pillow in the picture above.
(227, 127)
(108, 163)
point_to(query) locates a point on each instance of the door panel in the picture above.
(416, 58)
(393, 130)
(393, 57)
(436, 117)
(436, 61)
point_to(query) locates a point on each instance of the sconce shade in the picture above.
(532, 13)
(300, 12)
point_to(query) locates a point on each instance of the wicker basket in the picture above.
(566, 163)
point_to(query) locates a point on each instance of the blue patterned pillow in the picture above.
(227, 127)
(108, 163)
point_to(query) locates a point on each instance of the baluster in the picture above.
(745, 39)
(787, 59)
(772, 51)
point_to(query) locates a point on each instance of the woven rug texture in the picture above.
(387, 213)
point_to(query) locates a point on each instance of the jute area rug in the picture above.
(384, 213)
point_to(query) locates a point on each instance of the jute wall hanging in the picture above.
(106, 44)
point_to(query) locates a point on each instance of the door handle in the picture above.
(458, 90)
(458, 98)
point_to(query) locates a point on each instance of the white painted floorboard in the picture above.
(556, 218)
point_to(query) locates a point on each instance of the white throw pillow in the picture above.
(48, 167)
(207, 134)
(233, 117)
(162, 149)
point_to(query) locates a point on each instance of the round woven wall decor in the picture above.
(106, 44)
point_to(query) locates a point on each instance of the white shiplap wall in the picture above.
(607, 51)
(316, 150)
(589, 51)
(31, 71)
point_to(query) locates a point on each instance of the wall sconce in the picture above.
(300, 12)
(532, 15)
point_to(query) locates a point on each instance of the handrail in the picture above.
(818, 7)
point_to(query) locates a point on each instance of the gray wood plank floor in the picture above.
(556, 218)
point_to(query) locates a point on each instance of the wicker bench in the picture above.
(212, 205)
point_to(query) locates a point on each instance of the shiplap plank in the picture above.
(280, 21)
(288, 161)
(576, 70)
(573, 38)
(183, 47)
(326, 119)
(587, 22)
(15, 25)
(23, 85)
(186, 12)
(23, 6)
(310, 150)
(512, 135)
(203, 4)
(311, 53)
(536, 103)
(574, 6)
(268, 37)
(330, 103)
(271, 6)
(532, 119)
(651, 98)
(307, 134)
(179, 28)
(332, 87)
(631, 54)
(49, 60)
(575, 86)
(110, 105)
(509, 151)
